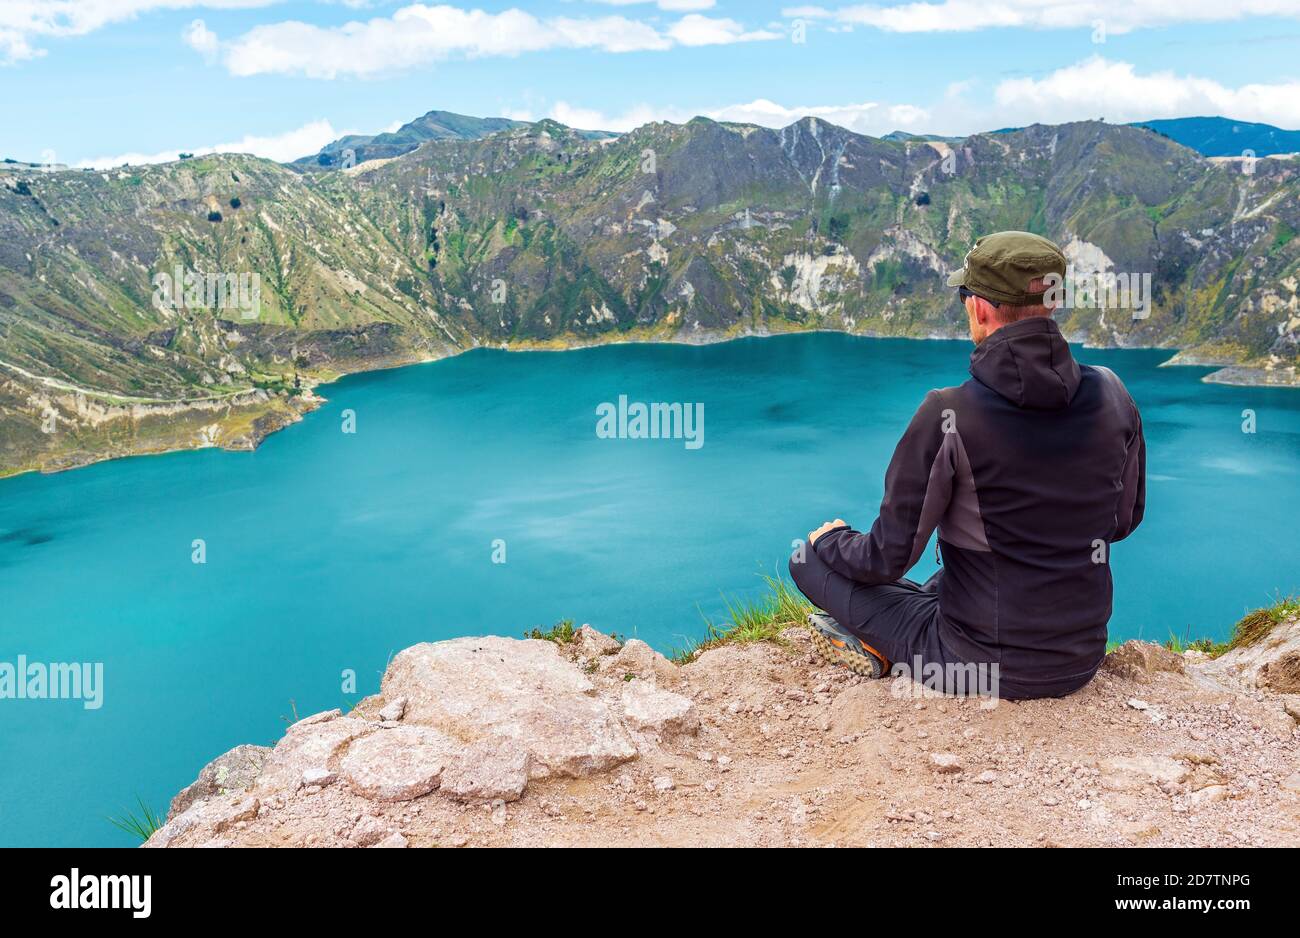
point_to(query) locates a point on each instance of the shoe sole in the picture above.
(865, 665)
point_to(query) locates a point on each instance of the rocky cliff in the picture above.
(499, 742)
(538, 235)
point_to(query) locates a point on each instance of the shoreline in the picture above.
(1224, 373)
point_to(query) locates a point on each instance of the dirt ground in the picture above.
(792, 751)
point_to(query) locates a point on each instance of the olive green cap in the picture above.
(1000, 267)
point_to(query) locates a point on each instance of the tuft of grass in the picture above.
(140, 825)
(1254, 627)
(1179, 644)
(1250, 630)
(562, 633)
(757, 620)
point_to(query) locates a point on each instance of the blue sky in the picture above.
(102, 81)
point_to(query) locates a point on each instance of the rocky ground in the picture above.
(502, 742)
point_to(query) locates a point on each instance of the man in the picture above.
(1030, 470)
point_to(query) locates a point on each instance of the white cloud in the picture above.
(25, 23)
(1098, 87)
(284, 147)
(696, 30)
(1117, 16)
(420, 34)
(591, 119)
(868, 117)
(673, 6)
(1087, 90)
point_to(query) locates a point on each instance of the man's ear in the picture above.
(983, 311)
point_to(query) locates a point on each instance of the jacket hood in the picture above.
(1029, 363)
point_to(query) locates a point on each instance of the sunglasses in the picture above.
(964, 293)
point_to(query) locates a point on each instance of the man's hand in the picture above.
(828, 526)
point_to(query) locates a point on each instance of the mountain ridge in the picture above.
(1207, 135)
(540, 236)
(433, 125)
(1221, 136)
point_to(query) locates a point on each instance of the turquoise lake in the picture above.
(329, 551)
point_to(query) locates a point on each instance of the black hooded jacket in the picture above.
(1030, 471)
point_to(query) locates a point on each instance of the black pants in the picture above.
(902, 621)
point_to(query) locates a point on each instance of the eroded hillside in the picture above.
(539, 235)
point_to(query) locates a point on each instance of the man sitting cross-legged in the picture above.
(1030, 471)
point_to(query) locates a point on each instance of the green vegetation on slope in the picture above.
(537, 235)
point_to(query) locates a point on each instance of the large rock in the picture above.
(640, 660)
(474, 689)
(397, 764)
(488, 770)
(308, 745)
(1272, 663)
(571, 735)
(233, 771)
(1138, 661)
(592, 644)
(219, 815)
(649, 709)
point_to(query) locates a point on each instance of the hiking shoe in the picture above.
(840, 646)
